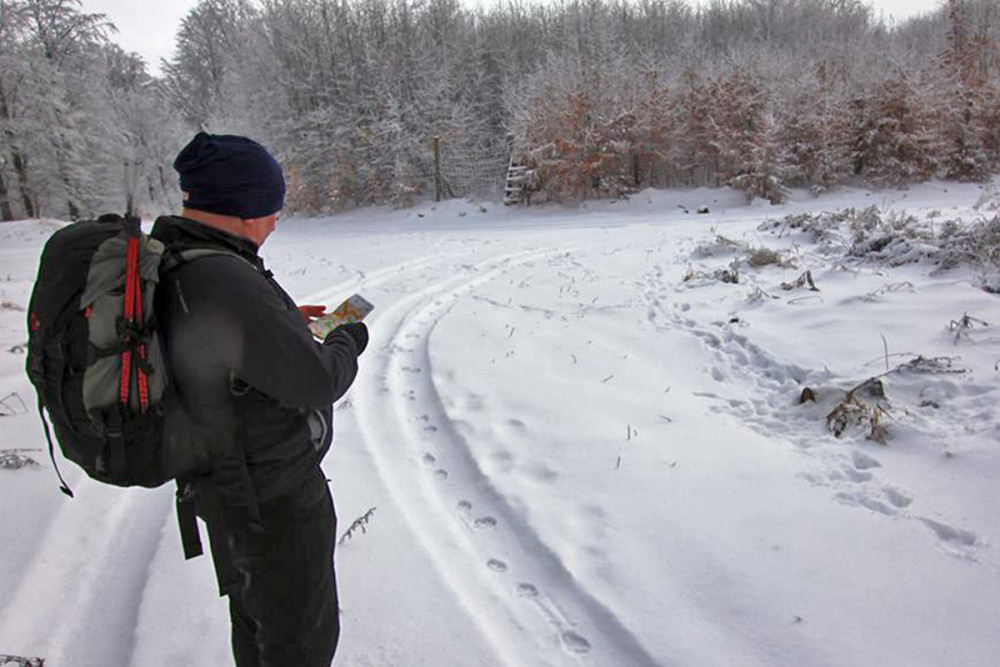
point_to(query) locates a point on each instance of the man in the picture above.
(254, 395)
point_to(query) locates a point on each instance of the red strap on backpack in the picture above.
(143, 380)
(132, 316)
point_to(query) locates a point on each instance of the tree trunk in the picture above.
(62, 164)
(437, 169)
(17, 161)
(21, 170)
(5, 211)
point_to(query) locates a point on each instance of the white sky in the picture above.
(148, 26)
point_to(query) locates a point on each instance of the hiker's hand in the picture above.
(310, 313)
(357, 331)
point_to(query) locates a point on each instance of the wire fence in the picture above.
(460, 170)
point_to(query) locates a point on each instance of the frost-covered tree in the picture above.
(695, 151)
(386, 101)
(47, 105)
(892, 135)
(146, 134)
(811, 128)
(208, 49)
(15, 70)
(964, 95)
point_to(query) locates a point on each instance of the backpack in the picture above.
(95, 356)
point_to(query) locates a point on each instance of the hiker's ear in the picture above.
(258, 229)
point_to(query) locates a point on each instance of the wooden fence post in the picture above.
(438, 181)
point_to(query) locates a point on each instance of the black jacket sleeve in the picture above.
(258, 333)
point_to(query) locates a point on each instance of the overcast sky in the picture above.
(148, 26)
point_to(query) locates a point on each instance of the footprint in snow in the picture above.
(496, 565)
(485, 522)
(896, 497)
(863, 500)
(441, 474)
(574, 643)
(465, 505)
(862, 461)
(428, 459)
(542, 473)
(527, 590)
(517, 425)
(948, 533)
(857, 475)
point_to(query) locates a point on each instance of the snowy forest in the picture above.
(389, 101)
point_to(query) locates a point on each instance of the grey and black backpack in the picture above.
(95, 356)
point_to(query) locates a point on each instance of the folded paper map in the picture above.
(354, 309)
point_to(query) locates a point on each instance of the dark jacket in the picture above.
(255, 389)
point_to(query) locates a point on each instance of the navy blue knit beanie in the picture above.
(230, 175)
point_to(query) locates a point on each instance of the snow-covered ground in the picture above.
(583, 447)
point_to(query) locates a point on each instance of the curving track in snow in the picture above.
(79, 597)
(515, 586)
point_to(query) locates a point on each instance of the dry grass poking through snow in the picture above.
(897, 238)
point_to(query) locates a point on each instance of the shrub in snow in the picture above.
(979, 243)
(758, 257)
(823, 228)
(729, 274)
(18, 661)
(893, 249)
(13, 459)
(865, 405)
(720, 245)
(898, 240)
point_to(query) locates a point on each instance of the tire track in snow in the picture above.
(517, 588)
(369, 280)
(79, 601)
(77, 604)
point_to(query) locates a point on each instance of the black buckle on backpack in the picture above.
(129, 332)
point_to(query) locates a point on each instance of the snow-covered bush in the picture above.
(978, 243)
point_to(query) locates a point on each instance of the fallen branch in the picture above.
(361, 523)
(8, 660)
(922, 364)
(6, 404)
(964, 325)
(806, 279)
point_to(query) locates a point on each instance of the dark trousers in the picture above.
(285, 613)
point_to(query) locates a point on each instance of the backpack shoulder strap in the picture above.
(174, 257)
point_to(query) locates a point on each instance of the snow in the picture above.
(578, 457)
